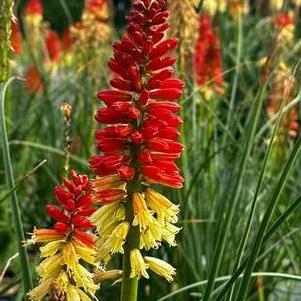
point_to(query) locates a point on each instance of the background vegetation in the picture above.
(229, 161)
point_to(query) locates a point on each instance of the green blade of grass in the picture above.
(49, 149)
(224, 278)
(16, 214)
(22, 180)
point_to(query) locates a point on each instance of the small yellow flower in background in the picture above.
(138, 266)
(214, 6)
(238, 7)
(276, 4)
(161, 267)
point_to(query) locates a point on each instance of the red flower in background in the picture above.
(71, 216)
(284, 89)
(67, 40)
(141, 109)
(53, 45)
(207, 57)
(283, 20)
(94, 5)
(34, 7)
(33, 81)
(16, 37)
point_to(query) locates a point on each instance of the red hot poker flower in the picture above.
(207, 58)
(138, 144)
(72, 214)
(140, 110)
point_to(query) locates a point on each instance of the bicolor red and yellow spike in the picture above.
(139, 142)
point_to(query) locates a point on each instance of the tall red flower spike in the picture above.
(139, 147)
(72, 214)
(141, 110)
(207, 58)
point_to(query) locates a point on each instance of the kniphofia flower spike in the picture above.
(138, 144)
(68, 245)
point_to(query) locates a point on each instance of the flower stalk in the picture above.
(138, 146)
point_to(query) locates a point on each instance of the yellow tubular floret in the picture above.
(138, 266)
(161, 267)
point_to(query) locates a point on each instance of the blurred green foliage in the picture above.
(61, 13)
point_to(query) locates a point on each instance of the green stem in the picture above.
(129, 287)
(16, 214)
(5, 20)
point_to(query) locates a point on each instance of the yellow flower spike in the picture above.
(161, 268)
(138, 266)
(165, 209)
(51, 248)
(117, 239)
(212, 7)
(143, 217)
(169, 232)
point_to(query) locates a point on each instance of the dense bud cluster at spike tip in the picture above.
(67, 245)
(139, 142)
(208, 58)
(34, 7)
